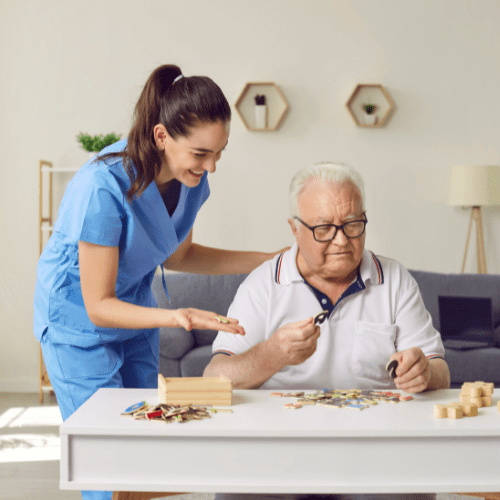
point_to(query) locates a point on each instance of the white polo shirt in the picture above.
(380, 313)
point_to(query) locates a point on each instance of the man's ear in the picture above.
(293, 226)
(161, 136)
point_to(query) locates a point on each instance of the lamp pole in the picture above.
(481, 257)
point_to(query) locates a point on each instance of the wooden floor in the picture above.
(29, 451)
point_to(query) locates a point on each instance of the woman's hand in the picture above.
(205, 320)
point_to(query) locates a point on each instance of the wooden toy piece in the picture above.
(478, 393)
(498, 406)
(478, 389)
(216, 391)
(469, 400)
(486, 400)
(440, 411)
(455, 410)
(470, 410)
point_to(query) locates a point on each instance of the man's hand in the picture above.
(413, 372)
(295, 342)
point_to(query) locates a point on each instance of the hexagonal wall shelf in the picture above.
(266, 117)
(374, 95)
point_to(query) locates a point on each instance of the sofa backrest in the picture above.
(433, 285)
(215, 293)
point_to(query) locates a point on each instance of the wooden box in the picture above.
(216, 391)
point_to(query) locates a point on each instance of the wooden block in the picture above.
(498, 406)
(455, 411)
(486, 400)
(440, 411)
(195, 390)
(470, 410)
(468, 400)
(478, 389)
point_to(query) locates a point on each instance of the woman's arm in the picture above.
(198, 259)
(98, 273)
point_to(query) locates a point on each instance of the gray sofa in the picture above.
(186, 354)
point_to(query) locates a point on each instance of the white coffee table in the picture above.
(264, 448)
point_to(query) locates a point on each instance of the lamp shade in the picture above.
(474, 185)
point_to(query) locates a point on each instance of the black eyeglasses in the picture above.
(327, 232)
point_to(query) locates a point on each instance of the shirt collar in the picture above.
(286, 271)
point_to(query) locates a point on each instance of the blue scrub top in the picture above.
(95, 209)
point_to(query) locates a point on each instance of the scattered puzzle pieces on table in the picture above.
(166, 413)
(355, 399)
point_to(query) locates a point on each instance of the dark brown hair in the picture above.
(178, 107)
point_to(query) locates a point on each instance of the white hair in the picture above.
(325, 172)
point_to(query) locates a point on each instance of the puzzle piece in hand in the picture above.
(320, 317)
(391, 368)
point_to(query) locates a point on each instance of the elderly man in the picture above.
(375, 310)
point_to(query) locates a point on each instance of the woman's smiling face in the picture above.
(187, 158)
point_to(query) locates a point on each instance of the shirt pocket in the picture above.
(374, 343)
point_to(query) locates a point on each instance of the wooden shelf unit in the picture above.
(277, 105)
(370, 93)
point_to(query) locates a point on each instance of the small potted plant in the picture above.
(370, 116)
(94, 144)
(260, 111)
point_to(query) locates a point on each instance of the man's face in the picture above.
(330, 203)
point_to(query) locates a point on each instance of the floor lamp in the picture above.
(475, 186)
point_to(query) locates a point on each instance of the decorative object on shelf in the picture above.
(260, 111)
(370, 116)
(261, 106)
(475, 186)
(370, 105)
(94, 144)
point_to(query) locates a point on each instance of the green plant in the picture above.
(369, 108)
(97, 142)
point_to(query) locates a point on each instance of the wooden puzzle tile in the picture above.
(293, 406)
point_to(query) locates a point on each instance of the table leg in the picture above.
(140, 495)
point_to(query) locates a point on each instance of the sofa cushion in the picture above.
(473, 365)
(193, 363)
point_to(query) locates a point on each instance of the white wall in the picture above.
(67, 67)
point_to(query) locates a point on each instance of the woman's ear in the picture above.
(161, 136)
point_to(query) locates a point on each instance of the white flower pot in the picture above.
(370, 119)
(260, 116)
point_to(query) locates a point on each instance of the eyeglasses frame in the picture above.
(312, 228)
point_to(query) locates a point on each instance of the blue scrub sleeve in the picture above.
(103, 220)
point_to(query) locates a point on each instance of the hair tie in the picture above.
(178, 78)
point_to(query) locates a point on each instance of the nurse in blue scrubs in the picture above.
(123, 215)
